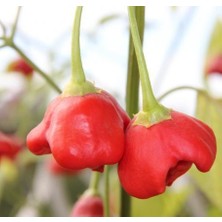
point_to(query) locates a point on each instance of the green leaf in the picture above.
(215, 44)
(168, 204)
(210, 111)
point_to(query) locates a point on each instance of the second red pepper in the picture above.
(156, 156)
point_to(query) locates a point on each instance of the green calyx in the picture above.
(79, 89)
(149, 118)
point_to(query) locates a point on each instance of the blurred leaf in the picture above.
(210, 111)
(168, 204)
(215, 44)
(8, 170)
(214, 212)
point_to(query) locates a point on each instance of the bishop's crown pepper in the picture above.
(84, 126)
(161, 144)
(157, 155)
(81, 131)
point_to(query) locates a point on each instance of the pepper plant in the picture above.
(84, 127)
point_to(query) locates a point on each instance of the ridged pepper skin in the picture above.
(81, 131)
(156, 156)
(10, 145)
(88, 206)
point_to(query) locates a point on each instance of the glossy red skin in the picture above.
(10, 145)
(123, 114)
(20, 65)
(214, 65)
(88, 206)
(155, 156)
(81, 132)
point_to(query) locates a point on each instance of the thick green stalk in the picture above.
(78, 75)
(106, 192)
(132, 94)
(132, 89)
(149, 100)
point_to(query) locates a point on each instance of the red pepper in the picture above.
(81, 131)
(10, 145)
(214, 65)
(88, 206)
(20, 65)
(156, 156)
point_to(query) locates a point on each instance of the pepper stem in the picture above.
(94, 181)
(152, 112)
(93, 185)
(78, 85)
(149, 100)
(78, 75)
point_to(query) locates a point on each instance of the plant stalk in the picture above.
(132, 94)
(106, 192)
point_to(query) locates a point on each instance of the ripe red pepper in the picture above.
(10, 146)
(156, 156)
(214, 65)
(81, 131)
(20, 65)
(88, 206)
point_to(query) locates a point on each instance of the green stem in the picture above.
(149, 100)
(3, 29)
(180, 88)
(14, 27)
(78, 75)
(132, 95)
(34, 66)
(132, 88)
(106, 193)
(94, 181)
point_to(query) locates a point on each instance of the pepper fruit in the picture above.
(84, 126)
(21, 66)
(214, 65)
(155, 156)
(10, 146)
(81, 131)
(88, 205)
